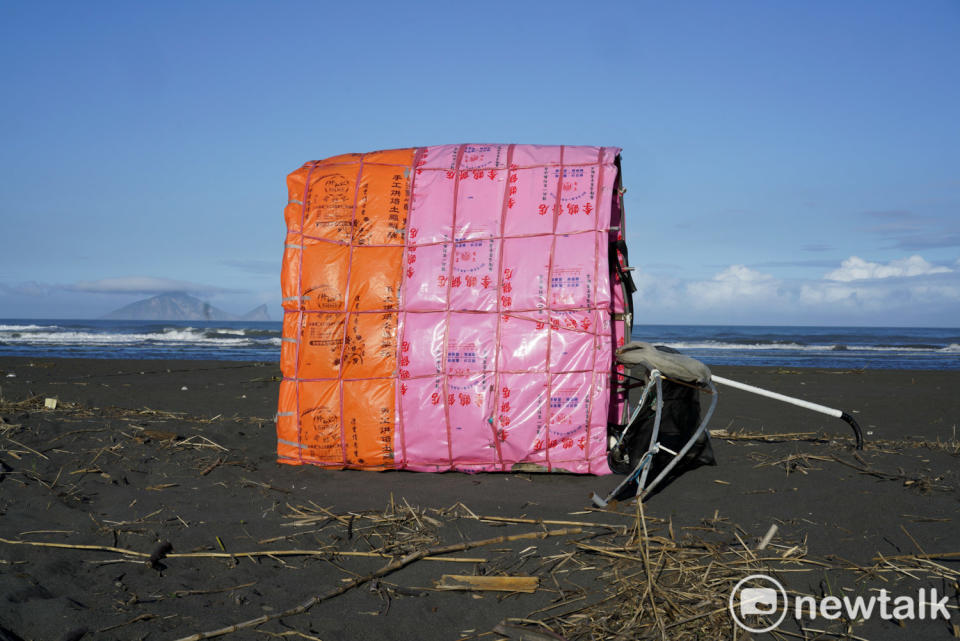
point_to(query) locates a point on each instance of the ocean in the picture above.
(833, 347)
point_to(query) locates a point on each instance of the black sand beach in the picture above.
(137, 454)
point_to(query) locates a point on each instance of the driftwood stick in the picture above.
(914, 557)
(385, 570)
(74, 546)
(225, 555)
(507, 519)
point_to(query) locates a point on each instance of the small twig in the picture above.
(28, 448)
(179, 593)
(265, 486)
(74, 546)
(505, 519)
(911, 557)
(910, 536)
(142, 617)
(211, 467)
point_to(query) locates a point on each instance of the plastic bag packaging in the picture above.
(445, 310)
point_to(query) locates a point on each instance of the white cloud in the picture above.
(907, 291)
(855, 268)
(735, 284)
(142, 285)
(660, 290)
(859, 295)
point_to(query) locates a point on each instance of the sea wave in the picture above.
(219, 332)
(800, 347)
(24, 328)
(687, 346)
(168, 336)
(229, 340)
(249, 333)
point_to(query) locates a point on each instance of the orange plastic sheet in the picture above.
(451, 307)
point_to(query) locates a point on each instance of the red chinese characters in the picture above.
(505, 409)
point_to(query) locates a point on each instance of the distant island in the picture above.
(182, 307)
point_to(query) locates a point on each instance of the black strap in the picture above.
(618, 248)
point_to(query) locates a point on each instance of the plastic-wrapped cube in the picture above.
(451, 308)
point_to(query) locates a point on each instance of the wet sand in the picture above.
(129, 459)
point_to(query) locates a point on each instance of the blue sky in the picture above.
(786, 163)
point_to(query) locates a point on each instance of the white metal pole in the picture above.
(823, 409)
(816, 407)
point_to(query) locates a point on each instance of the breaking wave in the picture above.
(798, 347)
(131, 339)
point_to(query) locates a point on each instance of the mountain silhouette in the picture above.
(181, 306)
